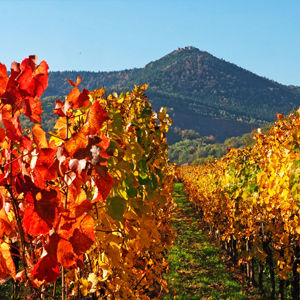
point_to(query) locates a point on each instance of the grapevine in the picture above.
(250, 198)
(89, 201)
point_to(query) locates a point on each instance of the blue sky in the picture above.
(262, 36)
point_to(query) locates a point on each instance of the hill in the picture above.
(202, 92)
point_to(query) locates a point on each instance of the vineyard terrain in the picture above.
(196, 271)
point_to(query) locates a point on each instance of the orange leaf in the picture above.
(72, 83)
(66, 226)
(77, 141)
(96, 116)
(25, 143)
(77, 199)
(2, 135)
(33, 80)
(65, 254)
(61, 108)
(105, 142)
(39, 136)
(5, 227)
(78, 99)
(279, 116)
(40, 217)
(13, 128)
(84, 235)
(3, 78)
(33, 109)
(104, 185)
(61, 127)
(46, 165)
(47, 267)
(7, 266)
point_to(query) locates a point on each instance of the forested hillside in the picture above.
(202, 92)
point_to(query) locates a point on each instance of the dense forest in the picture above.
(196, 150)
(197, 83)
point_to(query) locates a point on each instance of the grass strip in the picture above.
(196, 271)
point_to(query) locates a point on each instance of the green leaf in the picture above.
(135, 123)
(116, 208)
(132, 192)
(297, 163)
(143, 179)
(253, 187)
(153, 182)
(117, 126)
(146, 112)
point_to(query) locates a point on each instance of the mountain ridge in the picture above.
(195, 83)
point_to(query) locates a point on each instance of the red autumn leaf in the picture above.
(30, 62)
(33, 80)
(3, 78)
(78, 99)
(40, 217)
(25, 144)
(228, 149)
(7, 266)
(46, 269)
(105, 142)
(15, 168)
(4, 179)
(26, 186)
(14, 73)
(61, 108)
(2, 135)
(72, 83)
(83, 99)
(77, 141)
(106, 154)
(2, 199)
(13, 128)
(46, 165)
(84, 153)
(73, 95)
(33, 109)
(104, 185)
(83, 236)
(65, 254)
(77, 202)
(5, 227)
(66, 225)
(10, 97)
(95, 118)
(86, 225)
(25, 77)
(279, 116)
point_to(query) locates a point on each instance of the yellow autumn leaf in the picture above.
(84, 285)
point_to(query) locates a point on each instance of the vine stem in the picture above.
(63, 291)
(16, 213)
